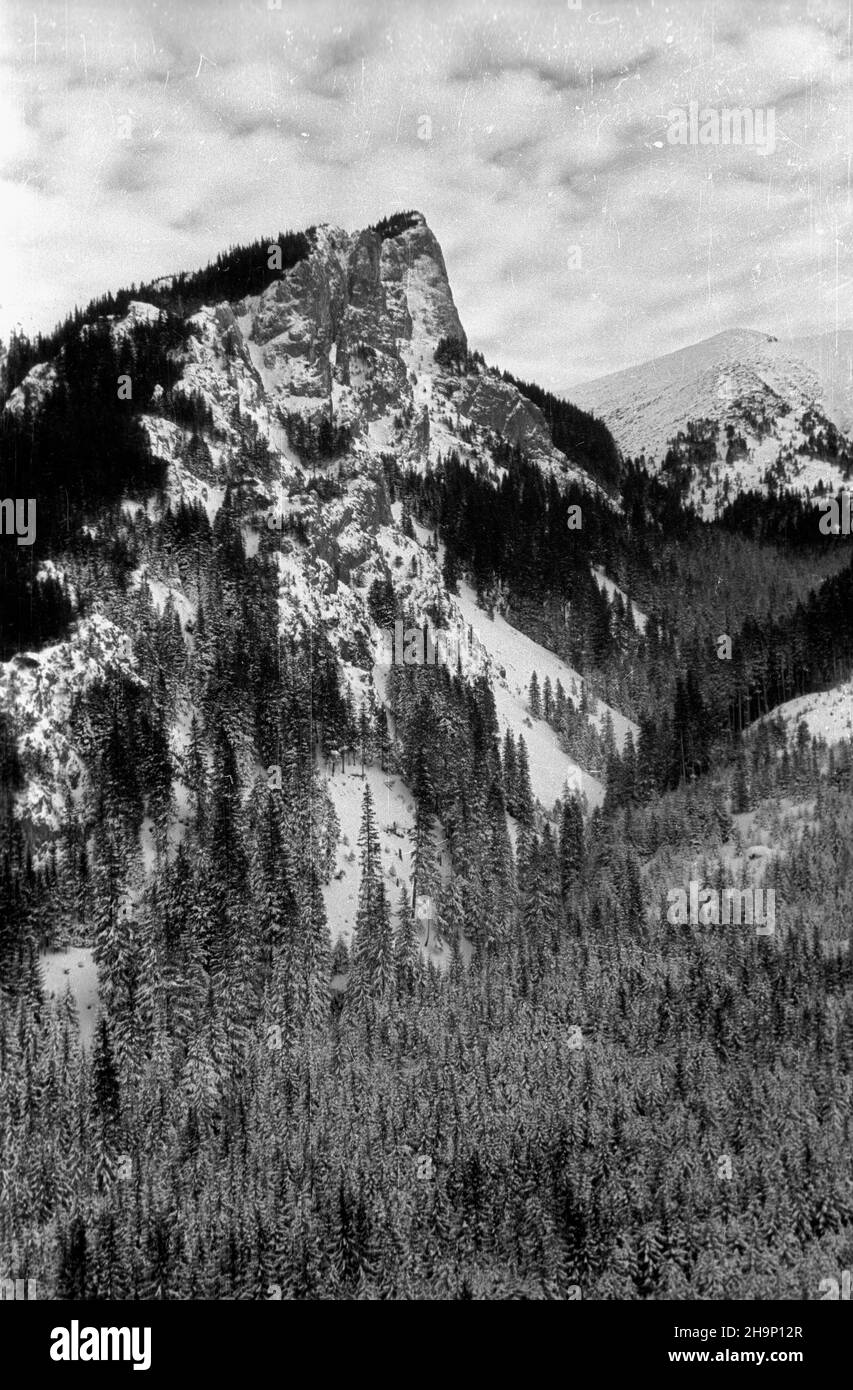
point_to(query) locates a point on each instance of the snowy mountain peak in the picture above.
(749, 407)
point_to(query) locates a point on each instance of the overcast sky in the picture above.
(547, 131)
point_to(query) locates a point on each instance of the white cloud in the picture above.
(545, 135)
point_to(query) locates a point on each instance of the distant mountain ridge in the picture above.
(753, 392)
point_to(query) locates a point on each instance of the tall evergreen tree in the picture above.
(523, 793)
(534, 701)
(373, 947)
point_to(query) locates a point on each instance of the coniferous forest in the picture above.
(577, 1098)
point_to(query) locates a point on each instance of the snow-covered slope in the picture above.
(39, 689)
(348, 337)
(827, 714)
(74, 972)
(760, 398)
(394, 821)
(514, 657)
(830, 356)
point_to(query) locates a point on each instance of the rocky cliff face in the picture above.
(350, 334)
(345, 315)
(346, 337)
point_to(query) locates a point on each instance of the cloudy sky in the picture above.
(144, 136)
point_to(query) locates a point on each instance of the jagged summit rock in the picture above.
(348, 312)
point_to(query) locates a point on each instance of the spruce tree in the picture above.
(533, 699)
(373, 947)
(524, 793)
(423, 853)
(510, 771)
(406, 941)
(547, 699)
(571, 852)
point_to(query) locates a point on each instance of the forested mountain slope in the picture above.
(328, 972)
